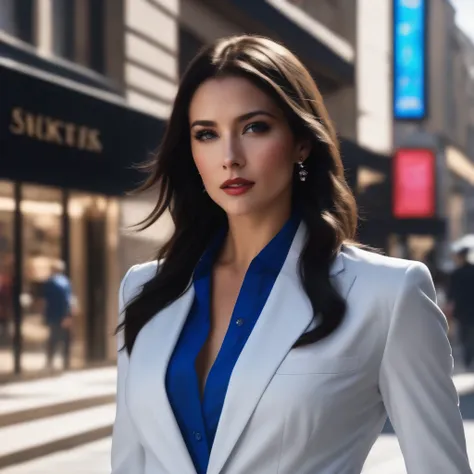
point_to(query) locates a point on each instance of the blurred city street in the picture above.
(86, 92)
(84, 413)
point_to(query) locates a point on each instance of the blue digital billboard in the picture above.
(409, 68)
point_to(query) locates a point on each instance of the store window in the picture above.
(88, 271)
(52, 237)
(43, 343)
(7, 210)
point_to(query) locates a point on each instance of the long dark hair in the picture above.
(325, 202)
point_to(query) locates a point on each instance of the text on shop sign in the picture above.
(52, 130)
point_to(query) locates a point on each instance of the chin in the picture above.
(240, 209)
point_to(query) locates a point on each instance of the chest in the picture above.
(223, 293)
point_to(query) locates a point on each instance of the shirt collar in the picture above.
(271, 258)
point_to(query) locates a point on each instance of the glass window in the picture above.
(16, 18)
(7, 17)
(44, 294)
(7, 209)
(63, 29)
(97, 35)
(24, 19)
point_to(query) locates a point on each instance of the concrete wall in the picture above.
(374, 78)
(342, 108)
(151, 50)
(440, 67)
(205, 23)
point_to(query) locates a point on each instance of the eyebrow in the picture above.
(240, 118)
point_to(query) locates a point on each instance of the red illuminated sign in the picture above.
(414, 184)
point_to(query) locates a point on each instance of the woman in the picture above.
(265, 341)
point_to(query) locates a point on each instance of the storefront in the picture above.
(66, 155)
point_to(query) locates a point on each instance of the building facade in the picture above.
(100, 78)
(448, 131)
(69, 141)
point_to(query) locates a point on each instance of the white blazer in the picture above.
(311, 410)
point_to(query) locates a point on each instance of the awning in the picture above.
(56, 132)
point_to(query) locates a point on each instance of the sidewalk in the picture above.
(45, 416)
(93, 458)
(63, 425)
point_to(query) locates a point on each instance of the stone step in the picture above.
(32, 400)
(29, 440)
(45, 411)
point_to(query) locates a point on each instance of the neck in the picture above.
(248, 235)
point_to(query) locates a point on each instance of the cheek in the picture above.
(272, 158)
(203, 160)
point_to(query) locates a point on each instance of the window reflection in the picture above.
(7, 207)
(41, 209)
(88, 220)
(63, 312)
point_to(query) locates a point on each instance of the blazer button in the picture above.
(197, 436)
(239, 322)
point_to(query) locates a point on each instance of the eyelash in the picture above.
(259, 127)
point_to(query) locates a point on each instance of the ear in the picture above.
(303, 149)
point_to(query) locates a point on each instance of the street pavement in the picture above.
(94, 458)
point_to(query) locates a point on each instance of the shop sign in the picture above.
(414, 187)
(54, 130)
(410, 59)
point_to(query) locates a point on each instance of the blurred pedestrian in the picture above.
(57, 295)
(265, 339)
(461, 303)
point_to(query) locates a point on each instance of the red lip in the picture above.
(236, 182)
(237, 186)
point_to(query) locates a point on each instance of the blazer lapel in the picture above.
(156, 343)
(286, 316)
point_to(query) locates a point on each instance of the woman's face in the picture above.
(243, 146)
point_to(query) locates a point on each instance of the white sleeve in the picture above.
(127, 452)
(416, 381)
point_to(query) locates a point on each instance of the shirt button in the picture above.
(197, 436)
(239, 322)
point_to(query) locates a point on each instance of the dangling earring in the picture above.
(302, 172)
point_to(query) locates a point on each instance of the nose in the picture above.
(233, 156)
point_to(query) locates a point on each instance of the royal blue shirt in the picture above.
(198, 416)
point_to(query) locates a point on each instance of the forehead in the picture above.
(237, 93)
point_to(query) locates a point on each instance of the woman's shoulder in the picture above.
(382, 270)
(135, 278)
